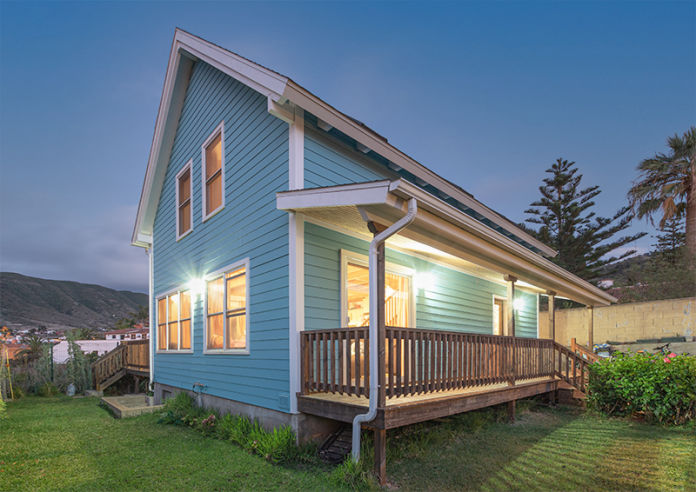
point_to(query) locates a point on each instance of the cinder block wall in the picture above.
(624, 322)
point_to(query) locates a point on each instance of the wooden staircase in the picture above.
(572, 369)
(337, 446)
(130, 357)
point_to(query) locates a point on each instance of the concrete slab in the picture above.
(130, 405)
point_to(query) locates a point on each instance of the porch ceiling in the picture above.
(439, 232)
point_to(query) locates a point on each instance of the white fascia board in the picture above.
(450, 214)
(334, 118)
(372, 193)
(186, 48)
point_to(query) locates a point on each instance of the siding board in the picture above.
(256, 167)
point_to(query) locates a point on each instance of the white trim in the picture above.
(186, 48)
(165, 295)
(502, 314)
(188, 166)
(221, 273)
(296, 151)
(296, 300)
(348, 256)
(219, 130)
(537, 314)
(151, 312)
(282, 111)
(371, 193)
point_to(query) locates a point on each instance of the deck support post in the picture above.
(511, 411)
(552, 314)
(510, 322)
(381, 455)
(381, 328)
(590, 327)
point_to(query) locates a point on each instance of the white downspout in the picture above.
(151, 320)
(374, 359)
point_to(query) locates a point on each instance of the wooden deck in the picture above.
(412, 409)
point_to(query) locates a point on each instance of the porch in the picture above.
(428, 374)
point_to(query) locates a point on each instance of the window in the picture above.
(213, 172)
(184, 210)
(398, 296)
(174, 321)
(226, 311)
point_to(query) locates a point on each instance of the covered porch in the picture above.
(427, 371)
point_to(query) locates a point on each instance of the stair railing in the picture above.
(109, 364)
(571, 367)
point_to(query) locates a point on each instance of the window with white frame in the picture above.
(184, 209)
(213, 175)
(226, 311)
(174, 321)
(399, 301)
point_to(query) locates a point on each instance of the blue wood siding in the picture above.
(457, 301)
(330, 162)
(256, 166)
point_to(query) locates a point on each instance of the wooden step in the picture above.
(337, 446)
(102, 385)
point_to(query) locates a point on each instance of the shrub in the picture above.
(47, 389)
(3, 409)
(662, 388)
(277, 446)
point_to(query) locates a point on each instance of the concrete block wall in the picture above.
(624, 322)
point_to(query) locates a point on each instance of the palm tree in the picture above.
(668, 184)
(34, 350)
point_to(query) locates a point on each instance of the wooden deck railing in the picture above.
(583, 351)
(128, 357)
(571, 367)
(138, 355)
(420, 361)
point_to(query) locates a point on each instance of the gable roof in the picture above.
(281, 90)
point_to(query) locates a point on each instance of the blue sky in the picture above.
(486, 94)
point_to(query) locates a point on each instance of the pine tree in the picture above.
(567, 223)
(671, 240)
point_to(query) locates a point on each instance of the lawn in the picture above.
(56, 443)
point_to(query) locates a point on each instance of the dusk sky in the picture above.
(487, 95)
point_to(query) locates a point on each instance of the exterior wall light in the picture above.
(425, 280)
(518, 304)
(196, 285)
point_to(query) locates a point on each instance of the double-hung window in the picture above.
(213, 158)
(174, 321)
(184, 210)
(226, 311)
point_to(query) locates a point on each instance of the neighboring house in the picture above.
(135, 333)
(10, 350)
(100, 347)
(258, 209)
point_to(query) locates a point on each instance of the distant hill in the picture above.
(58, 304)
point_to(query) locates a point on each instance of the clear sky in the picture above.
(486, 94)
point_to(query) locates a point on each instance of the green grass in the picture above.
(61, 444)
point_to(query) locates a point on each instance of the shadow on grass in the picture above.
(546, 449)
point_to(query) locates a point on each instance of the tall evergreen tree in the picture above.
(671, 239)
(567, 223)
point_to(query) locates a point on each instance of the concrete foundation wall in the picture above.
(306, 427)
(624, 322)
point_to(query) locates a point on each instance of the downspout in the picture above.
(151, 316)
(374, 359)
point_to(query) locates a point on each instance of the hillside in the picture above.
(57, 304)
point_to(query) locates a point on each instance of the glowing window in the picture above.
(397, 297)
(227, 311)
(213, 173)
(174, 321)
(184, 210)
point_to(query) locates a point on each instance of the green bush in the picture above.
(3, 409)
(662, 388)
(47, 389)
(277, 446)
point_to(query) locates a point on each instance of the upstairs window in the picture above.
(213, 173)
(226, 311)
(174, 321)
(184, 210)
